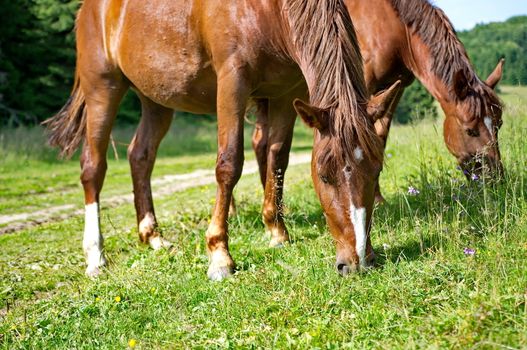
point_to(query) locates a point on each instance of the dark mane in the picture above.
(448, 53)
(326, 48)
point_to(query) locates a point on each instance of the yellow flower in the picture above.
(117, 299)
(132, 343)
(152, 289)
(98, 299)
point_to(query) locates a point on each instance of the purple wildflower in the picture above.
(474, 177)
(412, 191)
(469, 251)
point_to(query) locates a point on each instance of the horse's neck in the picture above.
(418, 59)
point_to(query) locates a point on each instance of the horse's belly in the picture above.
(181, 89)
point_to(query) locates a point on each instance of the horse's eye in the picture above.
(324, 179)
(472, 132)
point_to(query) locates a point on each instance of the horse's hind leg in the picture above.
(281, 122)
(102, 100)
(154, 124)
(259, 143)
(260, 137)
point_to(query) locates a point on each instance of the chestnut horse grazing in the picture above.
(407, 39)
(213, 57)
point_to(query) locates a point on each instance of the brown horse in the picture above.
(213, 57)
(408, 39)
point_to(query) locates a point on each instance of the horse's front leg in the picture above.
(154, 124)
(231, 104)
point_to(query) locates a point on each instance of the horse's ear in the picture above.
(381, 103)
(495, 77)
(311, 115)
(461, 87)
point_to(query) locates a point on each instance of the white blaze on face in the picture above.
(358, 153)
(488, 124)
(93, 241)
(358, 219)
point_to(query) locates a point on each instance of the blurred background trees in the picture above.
(37, 61)
(486, 44)
(37, 57)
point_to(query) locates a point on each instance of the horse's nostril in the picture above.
(343, 269)
(346, 269)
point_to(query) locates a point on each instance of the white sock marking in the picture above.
(147, 224)
(488, 124)
(93, 241)
(358, 219)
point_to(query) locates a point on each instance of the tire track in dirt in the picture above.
(161, 187)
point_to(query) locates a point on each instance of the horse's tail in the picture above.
(66, 129)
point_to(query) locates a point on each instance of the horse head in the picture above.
(345, 181)
(472, 124)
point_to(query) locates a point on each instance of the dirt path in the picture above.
(161, 187)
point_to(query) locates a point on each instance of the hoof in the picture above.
(93, 271)
(221, 265)
(219, 273)
(158, 243)
(278, 242)
(279, 237)
(95, 266)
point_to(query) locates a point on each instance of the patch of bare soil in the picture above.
(162, 186)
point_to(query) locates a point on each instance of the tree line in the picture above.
(37, 61)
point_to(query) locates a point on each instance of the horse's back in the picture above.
(382, 37)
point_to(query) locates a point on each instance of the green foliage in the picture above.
(415, 105)
(37, 61)
(487, 43)
(37, 56)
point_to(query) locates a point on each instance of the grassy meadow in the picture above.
(452, 260)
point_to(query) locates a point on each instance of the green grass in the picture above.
(426, 293)
(32, 178)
